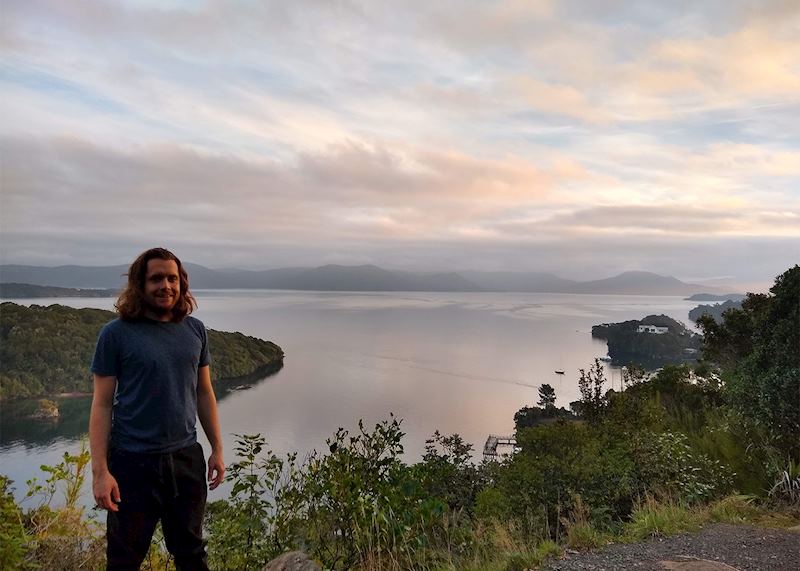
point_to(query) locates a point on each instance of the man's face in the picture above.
(162, 286)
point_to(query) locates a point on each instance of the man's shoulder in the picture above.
(193, 322)
(112, 326)
(195, 325)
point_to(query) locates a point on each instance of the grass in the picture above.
(586, 536)
(778, 519)
(659, 519)
(734, 509)
(533, 558)
(503, 551)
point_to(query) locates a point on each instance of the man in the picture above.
(151, 383)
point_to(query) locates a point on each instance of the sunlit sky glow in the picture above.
(582, 138)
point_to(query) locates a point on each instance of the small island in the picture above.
(46, 352)
(47, 410)
(652, 342)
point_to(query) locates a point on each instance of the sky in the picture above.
(580, 138)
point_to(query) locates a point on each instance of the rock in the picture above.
(47, 410)
(292, 561)
(697, 565)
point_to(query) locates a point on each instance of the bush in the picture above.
(786, 489)
(560, 460)
(659, 519)
(14, 541)
(252, 526)
(447, 472)
(62, 539)
(669, 467)
(581, 534)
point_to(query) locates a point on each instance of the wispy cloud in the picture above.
(516, 134)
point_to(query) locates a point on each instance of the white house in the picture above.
(652, 329)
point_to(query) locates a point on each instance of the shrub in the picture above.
(14, 541)
(660, 519)
(560, 460)
(581, 534)
(786, 489)
(252, 526)
(447, 472)
(62, 539)
(669, 467)
(492, 503)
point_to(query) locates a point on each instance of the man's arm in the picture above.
(104, 485)
(207, 412)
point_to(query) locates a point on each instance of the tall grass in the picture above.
(659, 519)
(581, 533)
(734, 509)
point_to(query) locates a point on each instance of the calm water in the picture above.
(456, 362)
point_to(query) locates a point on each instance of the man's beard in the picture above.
(159, 310)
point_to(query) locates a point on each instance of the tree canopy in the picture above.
(756, 350)
(48, 350)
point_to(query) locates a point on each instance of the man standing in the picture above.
(151, 383)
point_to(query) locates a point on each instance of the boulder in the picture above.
(292, 561)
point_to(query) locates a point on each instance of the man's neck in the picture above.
(164, 317)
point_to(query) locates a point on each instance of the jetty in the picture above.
(493, 442)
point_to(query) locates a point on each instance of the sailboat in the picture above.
(560, 370)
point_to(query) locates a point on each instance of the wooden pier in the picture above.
(492, 443)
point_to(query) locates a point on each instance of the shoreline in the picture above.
(259, 372)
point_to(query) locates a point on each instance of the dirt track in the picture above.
(742, 547)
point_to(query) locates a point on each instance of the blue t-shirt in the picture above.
(155, 363)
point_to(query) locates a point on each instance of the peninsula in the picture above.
(46, 351)
(652, 342)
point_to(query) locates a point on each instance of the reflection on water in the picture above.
(456, 362)
(16, 426)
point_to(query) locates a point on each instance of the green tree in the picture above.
(757, 352)
(593, 398)
(547, 396)
(447, 472)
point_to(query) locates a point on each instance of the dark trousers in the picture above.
(167, 487)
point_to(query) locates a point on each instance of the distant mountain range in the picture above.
(358, 278)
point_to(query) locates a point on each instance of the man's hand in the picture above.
(216, 470)
(106, 491)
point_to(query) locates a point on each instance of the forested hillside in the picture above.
(626, 345)
(715, 310)
(48, 350)
(18, 291)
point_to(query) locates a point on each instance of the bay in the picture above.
(454, 362)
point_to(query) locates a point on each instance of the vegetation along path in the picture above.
(717, 547)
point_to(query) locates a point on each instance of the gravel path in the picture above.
(743, 547)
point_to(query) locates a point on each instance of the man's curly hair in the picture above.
(131, 305)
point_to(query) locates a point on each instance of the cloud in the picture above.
(669, 221)
(560, 99)
(403, 132)
(316, 196)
